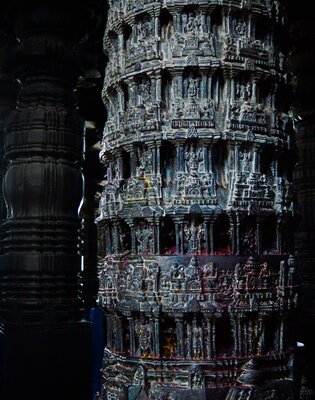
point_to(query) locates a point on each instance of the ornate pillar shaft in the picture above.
(199, 78)
(42, 188)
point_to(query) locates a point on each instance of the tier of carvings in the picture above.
(190, 175)
(248, 287)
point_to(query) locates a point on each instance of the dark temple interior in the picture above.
(157, 163)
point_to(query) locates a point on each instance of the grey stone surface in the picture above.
(196, 215)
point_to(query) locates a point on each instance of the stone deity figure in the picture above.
(144, 30)
(191, 23)
(237, 274)
(240, 91)
(261, 337)
(192, 85)
(139, 376)
(152, 283)
(210, 270)
(196, 377)
(144, 332)
(145, 164)
(248, 242)
(193, 157)
(241, 28)
(144, 92)
(114, 54)
(246, 161)
(197, 342)
(194, 234)
(282, 274)
(291, 274)
(248, 91)
(144, 236)
(188, 340)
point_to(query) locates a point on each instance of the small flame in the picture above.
(148, 182)
(223, 251)
(169, 346)
(169, 251)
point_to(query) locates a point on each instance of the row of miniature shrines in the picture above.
(230, 175)
(212, 235)
(168, 88)
(190, 23)
(195, 156)
(195, 336)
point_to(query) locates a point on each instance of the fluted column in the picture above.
(42, 188)
(42, 147)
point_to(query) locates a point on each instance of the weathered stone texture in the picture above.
(196, 215)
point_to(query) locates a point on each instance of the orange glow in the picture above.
(169, 346)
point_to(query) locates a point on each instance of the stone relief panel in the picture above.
(142, 43)
(191, 34)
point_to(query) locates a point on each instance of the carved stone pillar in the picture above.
(116, 239)
(237, 234)
(258, 234)
(180, 164)
(279, 234)
(177, 236)
(157, 236)
(206, 235)
(133, 162)
(42, 188)
(256, 159)
(156, 337)
(233, 232)
(213, 337)
(240, 340)
(121, 50)
(108, 239)
(132, 337)
(211, 235)
(133, 239)
(180, 336)
(235, 335)
(261, 335)
(218, 72)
